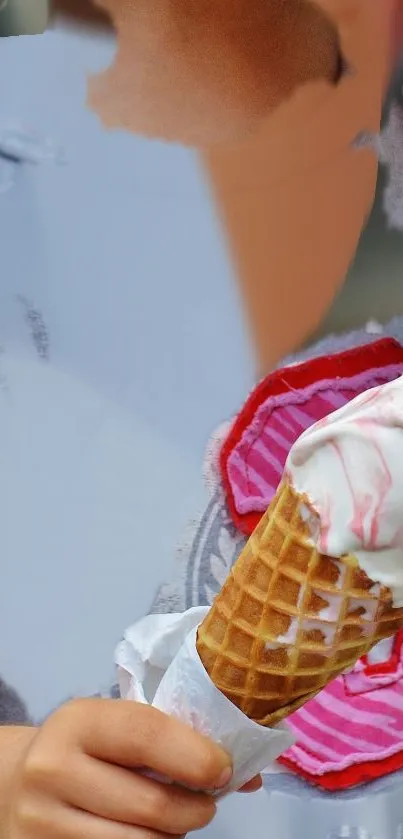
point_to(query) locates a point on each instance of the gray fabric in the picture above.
(212, 543)
(205, 560)
(13, 710)
(299, 811)
(337, 343)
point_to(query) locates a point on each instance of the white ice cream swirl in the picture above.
(350, 466)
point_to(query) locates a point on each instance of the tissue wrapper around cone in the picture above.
(159, 664)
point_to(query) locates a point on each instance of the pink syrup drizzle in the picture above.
(382, 481)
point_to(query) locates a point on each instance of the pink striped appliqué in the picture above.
(256, 463)
(339, 729)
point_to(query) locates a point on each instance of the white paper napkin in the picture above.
(158, 664)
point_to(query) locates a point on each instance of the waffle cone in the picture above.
(288, 619)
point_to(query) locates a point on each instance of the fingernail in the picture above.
(225, 777)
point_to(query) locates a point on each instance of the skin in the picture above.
(243, 64)
(82, 12)
(75, 777)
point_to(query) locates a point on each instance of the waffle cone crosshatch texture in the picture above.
(288, 619)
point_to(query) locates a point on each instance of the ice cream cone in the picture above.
(289, 619)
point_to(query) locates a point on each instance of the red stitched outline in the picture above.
(389, 666)
(360, 773)
(346, 364)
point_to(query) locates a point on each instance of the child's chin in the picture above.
(196, 73)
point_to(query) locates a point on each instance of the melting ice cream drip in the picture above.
(327, 631)
(349, 468)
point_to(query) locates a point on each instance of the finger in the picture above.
(61, 822)
(252, 786)
(130, 734)
(119, 795)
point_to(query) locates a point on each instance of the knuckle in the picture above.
(43, 772)
(29, 816)
(75, 709)
(35, 817)
(25, 814)
(73, 718)
(38, 771)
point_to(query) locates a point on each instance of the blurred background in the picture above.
(20, 18)
(373, 288)
(122, 347)
(112, 262)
